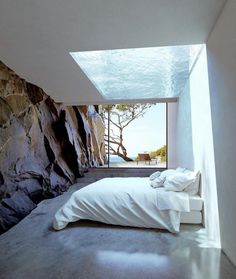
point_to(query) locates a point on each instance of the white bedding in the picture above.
(126, 202)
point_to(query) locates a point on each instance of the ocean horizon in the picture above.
(117, 159)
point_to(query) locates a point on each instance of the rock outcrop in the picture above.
(44, 146)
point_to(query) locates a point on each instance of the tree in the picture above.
(159, 152)
(120, 116)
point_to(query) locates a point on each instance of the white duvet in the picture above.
(126, 202)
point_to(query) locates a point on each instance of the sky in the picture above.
(146, 133)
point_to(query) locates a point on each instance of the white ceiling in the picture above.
(37, 36)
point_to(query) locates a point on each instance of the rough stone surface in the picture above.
(44, 146)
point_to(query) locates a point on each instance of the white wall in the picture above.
(221, 51)
(195, 141)
(172, 121)
(184, 142)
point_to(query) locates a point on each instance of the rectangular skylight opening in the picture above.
(139, 73)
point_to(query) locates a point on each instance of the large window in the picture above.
(136, 135)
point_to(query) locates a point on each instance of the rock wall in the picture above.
(44, 146)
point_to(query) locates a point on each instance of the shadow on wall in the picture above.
(195, 140)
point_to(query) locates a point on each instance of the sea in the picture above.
(117, 159)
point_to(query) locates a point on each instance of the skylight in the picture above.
(139, 73)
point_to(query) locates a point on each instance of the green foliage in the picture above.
(123, 114)
(125, 107)
(159, 152)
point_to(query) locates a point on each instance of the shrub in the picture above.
(159, 152)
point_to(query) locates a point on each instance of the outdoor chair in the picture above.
(144, 157)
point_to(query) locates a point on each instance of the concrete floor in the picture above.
(86, 249)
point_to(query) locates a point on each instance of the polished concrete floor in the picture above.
(87, 250)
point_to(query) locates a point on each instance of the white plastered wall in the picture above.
(194, 140)
(171, 142)
(221, 52)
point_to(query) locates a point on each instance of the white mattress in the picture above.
(196, 203)
(193, 217)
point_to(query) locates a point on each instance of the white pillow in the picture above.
(157, 182)
(154, 175)
(178, 182)
(180, 169)
(167, 173)
(193, 188)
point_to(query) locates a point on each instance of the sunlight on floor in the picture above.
(168, 259)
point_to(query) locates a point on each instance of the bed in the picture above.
(129, 202)
(194, 216)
